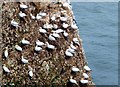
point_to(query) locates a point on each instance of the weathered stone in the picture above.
(49, 66)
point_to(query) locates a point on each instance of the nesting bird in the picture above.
(51, 37)
(49, 46)
(6, 52)
(18, 48)
(25, 61)
(67, 53)
(32, 16)
(74, 26)
(63, 19)
(42, 14)
(39, 43)
(71, 50)
(87, 68)
(47, 26)
(56, 35)
(84, 81)
(30, 73)
(53, 18)
(38, 48)
(42, 30)
(85, 75)
(72, 46)
(21, 14)
(6, 69)
(66, 4)
(25, 42)
(55, 26)
(58, 31)
(76, 41)
(23, 6)
(38, 17)
(73, 81)
(65, 25)
(65, 34)
(14, 23)
(75, 69)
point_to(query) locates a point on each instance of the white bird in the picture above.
(63, 19)
(56, 35)
(65, 25)
(32, 16)
(67, 53)
(76, 41)
(71, 50)
(17, 47)
(87, 68)
(25, 42)
(49, 46)
(51, 37)
(30, 73)
(38, 48)
(58, 31)
(84, 81)
(42, 14)
(74, 26)
(72, 46)
(23, 6)
(38, 17)
(47, 26)
(6, 69)
(24, 60)
(73, 81)
(85, 75)
(65, 34)
(6, 52)
(14, 23)
(53, 18)
(21, 14)
(42, 30)
(55, 26)
(66, 4)
(39, 43)
(75, 69)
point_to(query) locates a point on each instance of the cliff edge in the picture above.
(41, 46)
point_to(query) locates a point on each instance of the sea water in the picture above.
(98, 28)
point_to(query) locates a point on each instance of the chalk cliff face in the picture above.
(41, 45)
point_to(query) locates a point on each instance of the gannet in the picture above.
(49, 46)
(23, 6)
(39, 43)
(38, 48)
(51, 37)
(42, 30)
(75, 69)
(87, 68)
(6, 52)
(25, 42)
(6, 69)
(67, 53)
(65, 25)
(21, 14)
(24, 60)
(17, 47)
(65, 34)
(14, 23)
(84, 81)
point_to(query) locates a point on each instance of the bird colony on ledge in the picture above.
(42, 45)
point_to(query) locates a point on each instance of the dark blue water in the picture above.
(98, 27)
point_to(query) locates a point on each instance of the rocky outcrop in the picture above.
(41, 46)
